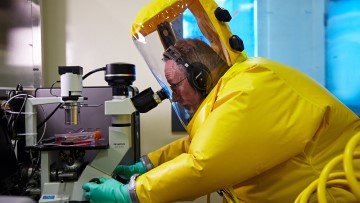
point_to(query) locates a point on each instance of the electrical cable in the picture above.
(49, 116)
(93, 71)
(44, 130)
(52, 113)
(22, 107)
(52, 86)
(11, 120)
(58, 106)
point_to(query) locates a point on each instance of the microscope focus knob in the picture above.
(95, 180)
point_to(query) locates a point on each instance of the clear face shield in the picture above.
(157, 33)
(152, 49)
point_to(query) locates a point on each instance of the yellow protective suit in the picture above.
(265, 130)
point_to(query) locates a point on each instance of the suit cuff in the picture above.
(147, 163)
(132, 189)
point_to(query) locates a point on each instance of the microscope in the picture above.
(71, 90)
(124, 103)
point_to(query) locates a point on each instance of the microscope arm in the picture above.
(30, 116)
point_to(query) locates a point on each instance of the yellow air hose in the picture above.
(347, 180)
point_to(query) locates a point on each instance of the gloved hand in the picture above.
(108, 190)
(127, 171)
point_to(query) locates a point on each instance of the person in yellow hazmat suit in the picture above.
(258, 130)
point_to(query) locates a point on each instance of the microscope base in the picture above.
(58, 192)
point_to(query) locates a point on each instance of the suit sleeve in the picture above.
(169, 151)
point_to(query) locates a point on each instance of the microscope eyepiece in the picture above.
(147, 99)
(162, 94)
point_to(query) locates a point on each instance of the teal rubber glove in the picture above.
(107, 191)
(127, 171)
